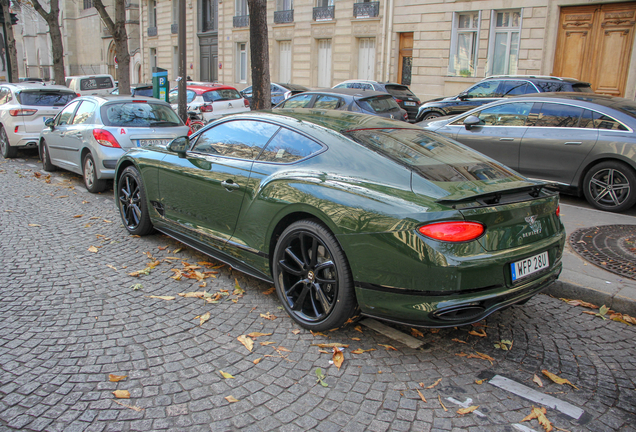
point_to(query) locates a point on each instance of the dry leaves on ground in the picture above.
(421, 395)
(93, 249)
(122, 394)
(505, 345)
(268, 316)
(537, 380)
(255, 335)
(162, 297)
(481, 332)
(459, 341)
(203, 318)
(557, 379)
(116, 378)
(272, 290)
(440, 402)
(432, 385)
(539, 414)
(247, 342)
(468, 410)
(360, 351)
(331, 345)
(388, 347)
(477, 355)
(231, 399)
(416, 333)
(480, 382)
(226, 375)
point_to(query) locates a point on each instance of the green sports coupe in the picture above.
(350, 214)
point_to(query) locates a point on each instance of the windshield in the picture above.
(45, 98)
(221, 95)
(432, 156)
(139, 114)
(380, 104)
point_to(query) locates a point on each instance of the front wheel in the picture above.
(92, 183)
(610, 186)
(131, 200)
(312, 277)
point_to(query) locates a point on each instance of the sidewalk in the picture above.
(583, 280)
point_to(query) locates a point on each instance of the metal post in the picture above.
(182, 61)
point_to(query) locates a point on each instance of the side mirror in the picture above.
(471, 121)
(50, 123)
(179, 145)
(463, 96)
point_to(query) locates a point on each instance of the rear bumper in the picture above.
(27, 139)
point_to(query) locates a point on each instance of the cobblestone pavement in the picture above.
(69, 317)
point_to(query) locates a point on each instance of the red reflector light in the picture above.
(105, 138)
(398, 100)
(206, 108)
(558, 211)
(453, 231)
(22, 112)
(246, 103)
(16, 129)
(139, 101)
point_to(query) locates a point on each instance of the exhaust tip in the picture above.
(461, 313)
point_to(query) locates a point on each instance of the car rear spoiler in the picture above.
(497, 197)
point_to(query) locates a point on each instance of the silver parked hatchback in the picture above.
(91, 133)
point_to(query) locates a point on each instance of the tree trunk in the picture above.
(10, 49)
(52, 19)
(120, 36)
(259, 54)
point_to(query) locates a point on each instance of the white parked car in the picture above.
(93, 85)
(23, 110)
(212, 100)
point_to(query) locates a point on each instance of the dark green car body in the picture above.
(373, 202)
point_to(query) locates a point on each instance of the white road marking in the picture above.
(537, 397)
(522, 428)
(31, 165)
(468, 402)
(390, 332)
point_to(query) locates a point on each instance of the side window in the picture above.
(242, 139)
(300, 101)
(364, 86)
(557, 115)
(66, 116)
(587, 120)
(341, 85)
(248, 91)
(510, 114)
(84, 112)
(288, 146)
(327, 102)
(602, 121)
(486, 89)
(513, 88)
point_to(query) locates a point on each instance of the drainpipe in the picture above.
(388, 36)
(385, 22)
(141, 43)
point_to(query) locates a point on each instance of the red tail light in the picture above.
(453, 231)
(558, 211)
(406, 117)
(105, 138)
(398, 100)
(78, 95)
(246, 102)
(22, 112)
(206, 108)
(189, 132)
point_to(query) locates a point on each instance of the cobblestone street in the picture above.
(70, 315)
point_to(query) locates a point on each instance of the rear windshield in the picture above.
(432, 156)
(583, 88)
(221, 95)
(143, 92)
(563, 86)
(45, 98)
(399, 91)
(96, 83)
(173, 97)
(139, 114)
(379, 104)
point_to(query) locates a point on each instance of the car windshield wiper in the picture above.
(163, 122)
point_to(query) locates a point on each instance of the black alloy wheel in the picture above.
(610, 186)
(131, 200)
(7, 151)
(312, 277)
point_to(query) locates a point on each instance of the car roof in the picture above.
(36, 86)
(592, 98)
(200, 89)
(127, 98)
(294, 87)
(535, 77)
(349, 92)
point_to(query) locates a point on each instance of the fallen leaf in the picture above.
(162, 297)
(331, 345)
(132, 407)
(504, 345)
(355, 339)
(537, 380)
(238, 291)
(266, 343)
(314, 334)
(247, 342)
(162, 247)
(270, 291)
(204, 318)
(421, 395)
(360, 351)
(468, 410)
(116, 378)
(388, 347)
(481, 332)
(138, 273)
(105, 220)
(137, 287)
(111, 266)
(338, 358)
(580, 303)
(416, 333)
(440, 402)
(459, 341)
(177, 250)
(358, 328)
(93, 218)
(258, 360)
(480, 382)
(295, 331)
(557, 379)
(434, 384)
(196, 294)
(231, 399)
(254, 335)
(539, 414)
(78, 216)
(93, 249)
(122, 394)
(226, 375)
(268, 316)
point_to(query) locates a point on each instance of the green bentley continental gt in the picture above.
(350, 214)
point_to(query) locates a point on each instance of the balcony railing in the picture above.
(152, 31)
(366, 9)
(324, 13)
(285, 16)
(174, 28)
(242, 21)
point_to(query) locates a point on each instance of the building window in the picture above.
(464, 44)
(366, 9)
(284, 12)
(324, 10)
(241, 61)
(241, 14)
(88, 4)
(285, 63)
(504, 42)
(153, 60)
(152, 13)
(324, 63)
(366, 59)
(207, 15)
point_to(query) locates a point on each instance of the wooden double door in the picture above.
(594, 44)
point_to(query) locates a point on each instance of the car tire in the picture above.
(89, 170)
(312, 277)
(431, 115)
(132, 203)
(610, 186)
(46, 158)
(8, 152)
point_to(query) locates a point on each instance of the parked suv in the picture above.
(23, 110)
(497, 87)
(400, 92)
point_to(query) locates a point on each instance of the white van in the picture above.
(91, 85)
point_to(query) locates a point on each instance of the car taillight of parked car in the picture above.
(456, 231)
(405, 116)
(22, 112)
(206, 108)
(398, 100)
(246, 102)
(558, 211)
(105, 138)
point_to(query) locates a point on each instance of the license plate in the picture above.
(528, 266)
(409, 103)
(153, 142)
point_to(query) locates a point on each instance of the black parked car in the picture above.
(497, 87)
(404, 97)
(280, 92)
(366, 102)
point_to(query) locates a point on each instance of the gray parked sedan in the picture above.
(91, 133)
(584, 143)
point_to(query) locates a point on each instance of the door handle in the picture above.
(573, 143)
(506, 139)
(229, 185)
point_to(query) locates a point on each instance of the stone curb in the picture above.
(572, 291)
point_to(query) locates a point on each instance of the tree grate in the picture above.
(610, 247)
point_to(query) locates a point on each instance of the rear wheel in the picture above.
(8, 152)
(610, 186)
(92, 183)
(46, 159)
(131, 200)
(312, 277)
